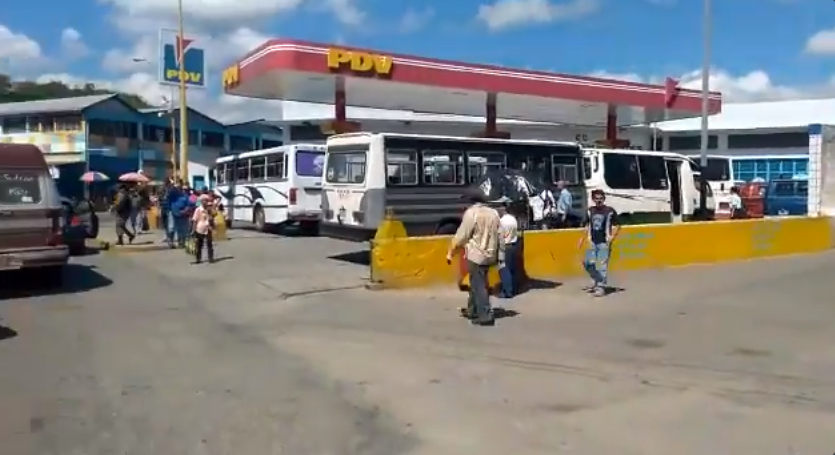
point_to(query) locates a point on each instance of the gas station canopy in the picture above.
(322, 73)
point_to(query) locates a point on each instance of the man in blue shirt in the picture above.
(180, 212)
(169, 194)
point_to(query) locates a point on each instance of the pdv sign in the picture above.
(193, 58)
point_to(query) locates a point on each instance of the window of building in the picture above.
(68, 122)
(213, 140)
(258, 168)
(653, 171)
(445, 167)
(276, 166)
(772, 140)
(401, 167)
(621, 171)
(240, 143)
(692, 142)
(14, 125)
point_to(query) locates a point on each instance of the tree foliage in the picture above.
(12, 91)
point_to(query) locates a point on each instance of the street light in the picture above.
(707, 27)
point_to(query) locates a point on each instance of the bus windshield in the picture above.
(717, 169)
(310, 163)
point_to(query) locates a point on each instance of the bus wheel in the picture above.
(258, 219)
(447, 229)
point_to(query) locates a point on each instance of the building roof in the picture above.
(763, 115)
(75, 104)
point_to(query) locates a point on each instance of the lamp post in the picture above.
(184, 136)
(707, 28)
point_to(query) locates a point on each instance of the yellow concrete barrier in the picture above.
(421, 261)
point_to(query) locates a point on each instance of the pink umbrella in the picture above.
(134, 177)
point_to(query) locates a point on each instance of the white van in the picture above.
(647, 187)
(272, 187)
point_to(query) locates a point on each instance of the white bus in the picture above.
(271, 187)
(646, 186)
(419, 178)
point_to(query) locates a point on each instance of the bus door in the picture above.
(676, 196)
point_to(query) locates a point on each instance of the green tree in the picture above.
(12, 91)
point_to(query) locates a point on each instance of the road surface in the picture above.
(278, 350)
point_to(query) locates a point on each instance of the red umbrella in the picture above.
(134, 177)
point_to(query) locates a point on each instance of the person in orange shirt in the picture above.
(203, 221)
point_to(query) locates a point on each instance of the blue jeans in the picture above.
(168, 222)
(509, 273)
(597, 264)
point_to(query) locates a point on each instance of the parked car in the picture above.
(31, 215)
(787, 198)
(80, 223)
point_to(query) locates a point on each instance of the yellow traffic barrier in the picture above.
(403, 262)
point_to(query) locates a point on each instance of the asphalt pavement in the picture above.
(279, 349)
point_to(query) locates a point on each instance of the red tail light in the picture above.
(293, 196)
(56, 233)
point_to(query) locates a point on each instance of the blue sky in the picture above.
(761, 47)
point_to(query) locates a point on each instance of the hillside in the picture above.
(12, 91)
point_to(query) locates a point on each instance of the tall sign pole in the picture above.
(707, 30)
(184, 136)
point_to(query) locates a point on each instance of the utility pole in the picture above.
(707, 30)
(184, 136)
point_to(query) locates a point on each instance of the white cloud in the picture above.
(216, 12)
(821, 43)
(505, 14)
(18, 51)
(753, 86)
(415, 19)
(72, 44)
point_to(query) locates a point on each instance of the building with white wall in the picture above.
(766, 128)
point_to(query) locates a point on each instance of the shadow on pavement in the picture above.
(20, 284)
(355, 257)
(7, 333)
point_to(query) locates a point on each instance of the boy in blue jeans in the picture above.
(602, 227)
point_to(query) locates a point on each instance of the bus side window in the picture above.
(243, 171)
(480, 163)
(401, 167)
(587, 168)
(443, 167)
(220, 173)
(276, 166)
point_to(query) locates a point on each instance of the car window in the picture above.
(18, 188)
